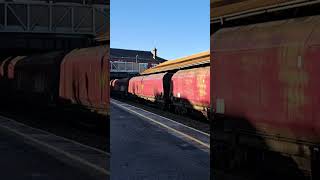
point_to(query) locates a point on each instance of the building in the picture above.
(125, 63)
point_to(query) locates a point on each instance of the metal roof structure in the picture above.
(42, 17)
(103, 37)
(181, 63)
(223, 10)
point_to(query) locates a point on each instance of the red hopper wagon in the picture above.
(265, 92)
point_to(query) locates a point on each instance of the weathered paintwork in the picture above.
(150, 87)
(84, 77)
(268, 74)
(192, 87)
(135, 85)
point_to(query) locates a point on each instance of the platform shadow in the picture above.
(239, 152)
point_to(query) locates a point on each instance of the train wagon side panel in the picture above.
(266, 97)
(84, 78)
(115, 85)
(152, 86)
(120, 85)
(135, 85)
(267, 75)
(104, 82)
(11, 66)
(39, 73)
(149, 87)
(3, 67)
(192, 87)
(212, 107)
(112, 83)
(3, 77)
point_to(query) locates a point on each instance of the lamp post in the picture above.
(137, 62)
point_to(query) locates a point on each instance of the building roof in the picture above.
(131, 54)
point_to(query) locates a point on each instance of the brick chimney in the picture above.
(154, 52)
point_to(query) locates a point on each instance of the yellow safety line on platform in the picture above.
(166, 126)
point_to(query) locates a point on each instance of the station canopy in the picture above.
(233, 9)
(181, 63)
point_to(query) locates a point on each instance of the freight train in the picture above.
(265, 97)
(75, 79)
(182, 91)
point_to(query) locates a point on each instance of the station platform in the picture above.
(145, 146)
(21, 161)
(31, 153)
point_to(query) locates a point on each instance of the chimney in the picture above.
(154, 52)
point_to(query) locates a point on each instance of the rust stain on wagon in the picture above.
(294, 79)
(201, 83)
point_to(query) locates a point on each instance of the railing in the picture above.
(130, 67)
(44, 17)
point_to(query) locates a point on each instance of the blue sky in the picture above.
(176, 28)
